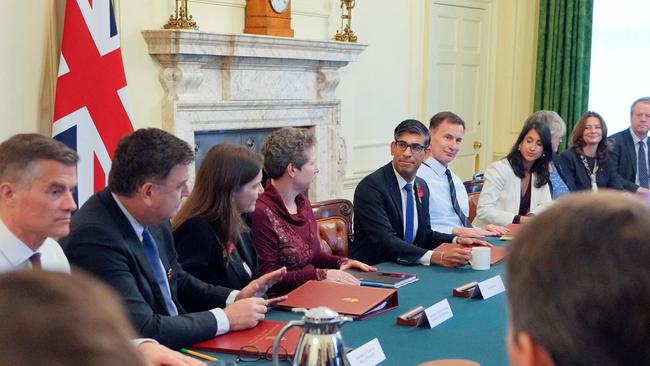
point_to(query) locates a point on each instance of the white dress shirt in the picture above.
(14, 254)
(441, 211)
(401, 182)
(223, 324)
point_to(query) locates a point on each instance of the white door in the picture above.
(458, 74)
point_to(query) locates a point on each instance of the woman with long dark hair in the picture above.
(517, 187)
(587, 159)
(212, 239)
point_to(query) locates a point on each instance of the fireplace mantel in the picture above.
(215, 82)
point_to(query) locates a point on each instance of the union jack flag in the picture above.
(91, 107)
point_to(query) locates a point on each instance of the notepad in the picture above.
(383, 279)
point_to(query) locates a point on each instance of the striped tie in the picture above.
(454, 201)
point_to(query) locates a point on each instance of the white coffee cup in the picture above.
(480, 258)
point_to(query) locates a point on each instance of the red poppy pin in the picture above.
(170, 274)
(420, 193)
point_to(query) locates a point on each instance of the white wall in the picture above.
(26, 66)
(381, 89)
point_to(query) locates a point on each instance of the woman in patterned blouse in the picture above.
(284, 228)
(559, 183)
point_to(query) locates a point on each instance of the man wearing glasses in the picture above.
(391, 209)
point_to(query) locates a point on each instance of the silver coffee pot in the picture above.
(321, 343)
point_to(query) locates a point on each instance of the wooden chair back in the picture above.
(334, 222)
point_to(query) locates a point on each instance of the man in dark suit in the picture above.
(37, 179)
(625, 158)
(391, 209)
(122, 235)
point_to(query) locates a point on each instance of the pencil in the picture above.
(199, 355)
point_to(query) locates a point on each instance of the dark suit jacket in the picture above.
(623, 159)
(378, 223)
(202, 254)
(578, 177)
(103, 242)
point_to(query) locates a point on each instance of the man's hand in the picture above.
(156, 354)
(452, 258)
(496, 229)
(335, 275)
(246, 313)
(472, 242)
(358, 265)
(258, 287)
(470, 232)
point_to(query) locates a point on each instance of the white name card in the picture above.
(488, 288)
(438, 313)
(370, 354)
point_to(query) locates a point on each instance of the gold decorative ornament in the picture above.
(477, 158)
(181, 18)
(350, 299)
(345, 34)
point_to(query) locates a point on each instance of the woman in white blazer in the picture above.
(517, 187)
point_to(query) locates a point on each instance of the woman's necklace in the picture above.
(592, 173)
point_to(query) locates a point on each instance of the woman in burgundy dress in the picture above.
(284, 228)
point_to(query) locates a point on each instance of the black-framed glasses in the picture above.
(415, 147)
(250, 353)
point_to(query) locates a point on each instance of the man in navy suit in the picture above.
(122, 235)
(625, 158)
(37, 179)
(391, 209)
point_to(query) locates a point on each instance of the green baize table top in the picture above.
(475, 332)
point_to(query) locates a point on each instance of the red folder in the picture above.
(359, 302)
(496, 253)
(261, 336)
(514, 228)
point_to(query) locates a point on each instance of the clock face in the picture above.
(279, 6)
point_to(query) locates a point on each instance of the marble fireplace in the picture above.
(238, 82)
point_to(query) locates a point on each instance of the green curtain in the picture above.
(564, 58)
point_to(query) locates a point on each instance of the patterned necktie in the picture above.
(408, 230)
(454, 201)
(35, 259)
(642, 168)
(151, 250)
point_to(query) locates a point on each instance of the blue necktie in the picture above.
(151, 250)
(408, 230)
(642, 168)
